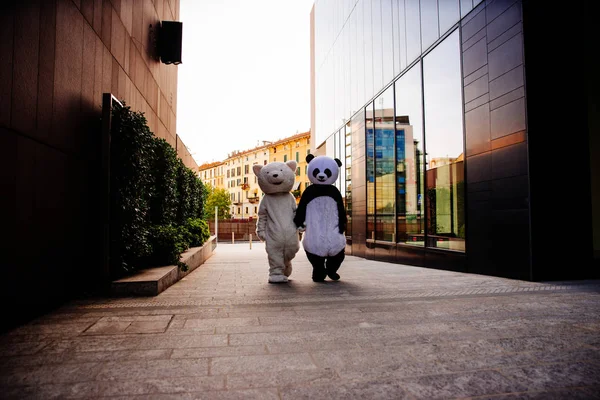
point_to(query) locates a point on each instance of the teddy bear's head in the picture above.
(276, 177)
(323, 170)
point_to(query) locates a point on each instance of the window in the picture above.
(297, 144)
(274, 149)
(298, 171)
(285, 158)
(410, 226)
(246, 210)
(265, 162)
(239, 171)
(307, 151)
(384, 167)
(246, 169)
(444, 193)
(297, 156)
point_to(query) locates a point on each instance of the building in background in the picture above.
(241, 183)
(447, 116)
(235, 173)
(295, 147)
(59, 57)
(213, 174)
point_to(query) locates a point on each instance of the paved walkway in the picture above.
(384, 331)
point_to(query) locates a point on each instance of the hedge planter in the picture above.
(152, 281)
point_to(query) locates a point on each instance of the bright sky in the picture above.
(244, 76)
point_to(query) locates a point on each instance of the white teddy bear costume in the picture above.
(275, 225)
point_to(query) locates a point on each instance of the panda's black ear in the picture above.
(309, 157)
(338, 162)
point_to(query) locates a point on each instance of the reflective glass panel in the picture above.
(368, 41)
(387, 41)
(377, 45)
(413, 30)
(410, 227)
(360, 56)
(444, 146)
(429, 23)
(449, 14)
(348, 175)
(370, 171)
(384, 166)
(465, 7)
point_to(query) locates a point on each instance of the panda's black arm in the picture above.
(343, 220)
(300, 216)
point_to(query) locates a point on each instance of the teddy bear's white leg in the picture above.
(289, 252)
(287, 271)
(276, 265)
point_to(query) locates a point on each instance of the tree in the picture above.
(217, 197)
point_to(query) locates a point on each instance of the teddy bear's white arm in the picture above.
(261, 223)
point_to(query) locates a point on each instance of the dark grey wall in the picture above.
(496, 141)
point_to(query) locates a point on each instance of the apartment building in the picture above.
(212, 174)
(295, 147)
(241, 183)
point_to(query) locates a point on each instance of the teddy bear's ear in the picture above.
(338, 162)
(309, 157)
(256, 168)
(292, 164)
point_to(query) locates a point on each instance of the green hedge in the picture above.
(157, 203)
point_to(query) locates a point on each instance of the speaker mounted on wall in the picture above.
(169, 42)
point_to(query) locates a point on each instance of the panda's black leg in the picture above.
(318, 264)
(333, 264)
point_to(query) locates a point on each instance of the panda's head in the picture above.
(323, 170)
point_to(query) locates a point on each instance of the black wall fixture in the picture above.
(169, 42)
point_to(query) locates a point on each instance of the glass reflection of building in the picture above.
(410, 95)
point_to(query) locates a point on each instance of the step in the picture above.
(152, 281)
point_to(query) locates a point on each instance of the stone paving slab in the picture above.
(384, 331)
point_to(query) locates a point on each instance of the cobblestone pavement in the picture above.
(384, 331)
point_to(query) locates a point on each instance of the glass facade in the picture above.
(391, 70)
(444, 145)
(410, 224)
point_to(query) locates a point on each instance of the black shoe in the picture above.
(318, 278)
(334, 276)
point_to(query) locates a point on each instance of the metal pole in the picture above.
(250, 241)
(216, 224)
(232, 237)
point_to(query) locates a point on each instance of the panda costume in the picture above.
(321, 213)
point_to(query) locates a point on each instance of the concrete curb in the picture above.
(152, 281)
